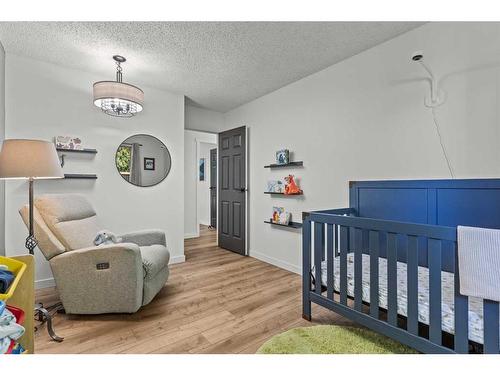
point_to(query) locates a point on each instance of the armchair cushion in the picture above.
(145, 237)
(78, 234)
(70, 217)
(47, 241)
(154, 259)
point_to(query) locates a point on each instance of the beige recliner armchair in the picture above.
(114, 278)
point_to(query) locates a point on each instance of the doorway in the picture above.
(198, 174)
(207, 172)
(232, 189)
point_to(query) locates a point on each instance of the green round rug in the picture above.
(330, 339)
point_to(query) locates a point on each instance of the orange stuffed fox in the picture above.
(291, 187)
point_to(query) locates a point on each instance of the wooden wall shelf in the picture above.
(288, 165)
(80, 176)
(288, 195)
(292, 224)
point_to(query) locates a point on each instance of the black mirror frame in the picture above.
(163, 144)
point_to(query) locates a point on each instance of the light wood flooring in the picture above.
(215, 302)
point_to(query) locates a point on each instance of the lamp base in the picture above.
(44, 315)
(31, 243)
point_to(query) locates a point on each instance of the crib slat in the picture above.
(412, 284)
(336, 240)
(392, 280)
(319, 245)
(329, 261)
(358, 269)
(373, 242)
(461, 313)
(434, 256)
(306, 269)
(344, 243)
(491, 339)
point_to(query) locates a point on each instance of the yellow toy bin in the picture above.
(17, 268)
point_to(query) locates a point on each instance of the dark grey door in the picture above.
(213, 188)
(232, 187)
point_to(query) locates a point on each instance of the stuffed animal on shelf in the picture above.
(105, 237)
(291, 187)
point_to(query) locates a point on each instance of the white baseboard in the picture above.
(276, 262)
(177, 259)
(187, 236)
(45, 283)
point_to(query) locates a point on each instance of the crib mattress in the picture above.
(447, 286)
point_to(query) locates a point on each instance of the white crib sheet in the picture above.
(447, 286)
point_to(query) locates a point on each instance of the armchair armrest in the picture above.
(98, 280)
(145, 237)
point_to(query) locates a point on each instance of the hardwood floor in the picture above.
(215, 302)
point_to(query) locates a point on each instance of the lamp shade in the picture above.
(29, 158)
(118, 98)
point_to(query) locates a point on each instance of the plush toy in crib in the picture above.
(105, 237)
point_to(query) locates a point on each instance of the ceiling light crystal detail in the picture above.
(117, 98)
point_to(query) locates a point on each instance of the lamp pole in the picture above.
(31, 241)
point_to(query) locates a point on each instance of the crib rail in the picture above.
(332, 235)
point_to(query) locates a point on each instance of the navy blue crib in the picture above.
(402, 226)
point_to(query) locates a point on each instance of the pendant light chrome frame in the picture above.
(117, 98)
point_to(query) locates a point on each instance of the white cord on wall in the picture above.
(435, 99)
(441, 142)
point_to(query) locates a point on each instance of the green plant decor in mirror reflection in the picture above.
(123, 159)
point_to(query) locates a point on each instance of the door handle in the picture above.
(243, 190)
(212, 187)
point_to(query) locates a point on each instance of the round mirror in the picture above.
(143, 160)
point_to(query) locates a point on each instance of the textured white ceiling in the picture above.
(217, 65)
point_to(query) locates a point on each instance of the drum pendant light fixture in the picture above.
(117, 98)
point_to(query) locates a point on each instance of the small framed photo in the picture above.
(202, 169)
(275, 186)
(283, 156)
(149, 164)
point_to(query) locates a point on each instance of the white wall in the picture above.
(203, 119)
(2, 136)
(44, 100)
(364, 118)
(203, 200)
(192, 141)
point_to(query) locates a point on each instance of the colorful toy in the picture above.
(291, 187)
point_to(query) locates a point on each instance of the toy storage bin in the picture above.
(17, 268)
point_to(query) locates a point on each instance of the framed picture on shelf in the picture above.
(149, 164)
(275, 186)
(283, 156)
(280, 216)
(68, 142)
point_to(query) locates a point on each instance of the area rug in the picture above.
(330, 339)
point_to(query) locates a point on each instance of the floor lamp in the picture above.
(32, 160)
